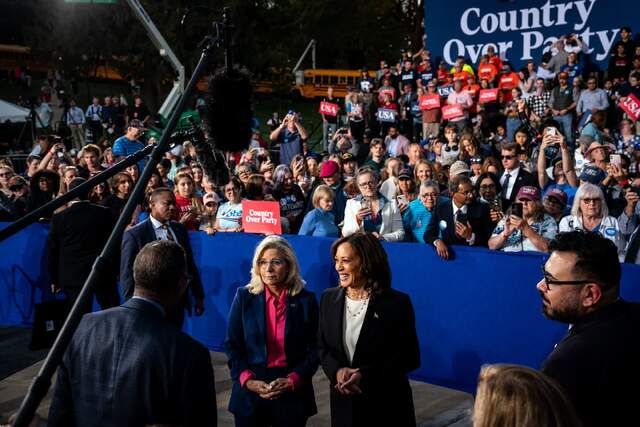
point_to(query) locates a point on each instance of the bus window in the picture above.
(325, 80)
(316, 80)
(334, 80)
(350, 81)
(342, 80)
(308, 80)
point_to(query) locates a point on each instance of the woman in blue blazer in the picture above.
(271, 342)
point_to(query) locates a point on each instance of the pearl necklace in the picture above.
(363, 305)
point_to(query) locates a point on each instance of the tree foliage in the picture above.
(269, 33)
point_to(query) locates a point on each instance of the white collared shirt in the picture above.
(512, 180)
(161, 233)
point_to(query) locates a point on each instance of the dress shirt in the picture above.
(513, 174)
(161, 232)
(590, 99)
(275, 322)
(75, 116)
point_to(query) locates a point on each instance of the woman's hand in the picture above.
(210, 231)
(496, 215)
(259, 387)
(362, 213)
(348, 381)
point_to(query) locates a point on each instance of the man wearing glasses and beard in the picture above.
(597, 361)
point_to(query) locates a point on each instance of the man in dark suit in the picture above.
(596, 363)
(130, 365)
(514, 177)
(76, 237)
(460, 221)
(159, 226)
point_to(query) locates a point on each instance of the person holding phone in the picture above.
(290, 135)
(460, 221)
(527, 227)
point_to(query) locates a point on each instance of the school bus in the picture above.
(313, 83)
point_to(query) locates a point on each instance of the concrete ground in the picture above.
(435, 406)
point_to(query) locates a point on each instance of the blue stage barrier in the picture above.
(482, 307)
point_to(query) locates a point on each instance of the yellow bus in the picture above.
(313, 83)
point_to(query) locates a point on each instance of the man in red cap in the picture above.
(527, 228)
(331, 175)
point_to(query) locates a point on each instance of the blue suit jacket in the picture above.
(136, 237)
(130, 366)
(246, 348)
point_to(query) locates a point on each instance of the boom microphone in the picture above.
(228, 114)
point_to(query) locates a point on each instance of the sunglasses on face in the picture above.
(510, 157)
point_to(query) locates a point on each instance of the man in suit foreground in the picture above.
(514, 176)
(159, 226)
(460, 221)
(76, 238)
(130, 365)
(596, 363)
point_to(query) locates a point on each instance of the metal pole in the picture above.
(41, 383)
(46, 210)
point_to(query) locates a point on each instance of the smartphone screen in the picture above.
(517, 209)
(615, 159)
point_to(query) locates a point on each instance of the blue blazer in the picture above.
(245, 346)
(130, 366)
(136, 237)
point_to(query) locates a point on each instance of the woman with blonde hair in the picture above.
(517, 396)
(320, 221)
(272, 370)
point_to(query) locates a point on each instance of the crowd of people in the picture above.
(542, 163)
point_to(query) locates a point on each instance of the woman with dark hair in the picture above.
(100, 191)
(44, 188)
(488, 188)
(122, 185)
(290, 197)
(367, 338)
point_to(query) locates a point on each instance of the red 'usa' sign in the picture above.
(429, 102)
(452, 112)
(328, 108)
(488, 95)
(631, 106)
(261, 217)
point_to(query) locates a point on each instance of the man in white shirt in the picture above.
(75, 119)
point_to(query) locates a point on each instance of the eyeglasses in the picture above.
(589, 201)
(231, 190)
(488, 187)
(507, 157)
(429, 196)
(466, 193)
(5, 174)
(549, 281)
(277, 263)
(369, 184)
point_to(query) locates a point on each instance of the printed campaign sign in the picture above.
(328, 108)
(429, 102)
(631, 106)
(386, 115)
(488, 95)
(383, 92)
(261, 217)
(452, 112)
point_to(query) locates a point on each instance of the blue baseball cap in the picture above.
(592, 174)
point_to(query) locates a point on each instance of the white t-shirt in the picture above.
(230, 215)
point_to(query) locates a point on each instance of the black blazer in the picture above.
(246, 348)
(136, 237)
(523, 179)
(479, 218)
(76, 237)
(130, 366)
(387, 350)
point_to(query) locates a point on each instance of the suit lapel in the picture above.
(149, 231)
(259, 317)
(337, 315)
(447, 214)
(291, 316)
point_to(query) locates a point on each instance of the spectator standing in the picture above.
(538, 101)
(290, 198)
(562, 105)
(329, 123)
(369, 385)
(290, 135)
(530, 232)
(75, 119)
(229, 217)
(272, 366)
(211, 201)
(94, 120)
(591, 99)
(596, 362)
(395, 142)
(514, 176)
(129, 143)
(320, 221)
(463, 99)
(418, 214)
(188, 204)
(144, 342)
(139, 111)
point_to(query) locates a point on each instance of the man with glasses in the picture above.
(597, 362)
(460, 221)
(514, 177)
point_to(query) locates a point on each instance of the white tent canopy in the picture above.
(12, 112)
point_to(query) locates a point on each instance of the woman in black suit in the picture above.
(367, 339)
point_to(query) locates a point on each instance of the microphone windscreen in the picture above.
(213, 163)
(228, 114)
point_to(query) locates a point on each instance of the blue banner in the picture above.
(523, 30)
(482, 307)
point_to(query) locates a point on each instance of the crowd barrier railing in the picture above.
(481, 307)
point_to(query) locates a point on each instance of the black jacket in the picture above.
(130, 366)
(386, 352)
(478, 215)
(597, 364)
(523, 179)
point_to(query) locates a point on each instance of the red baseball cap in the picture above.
(329, 168)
